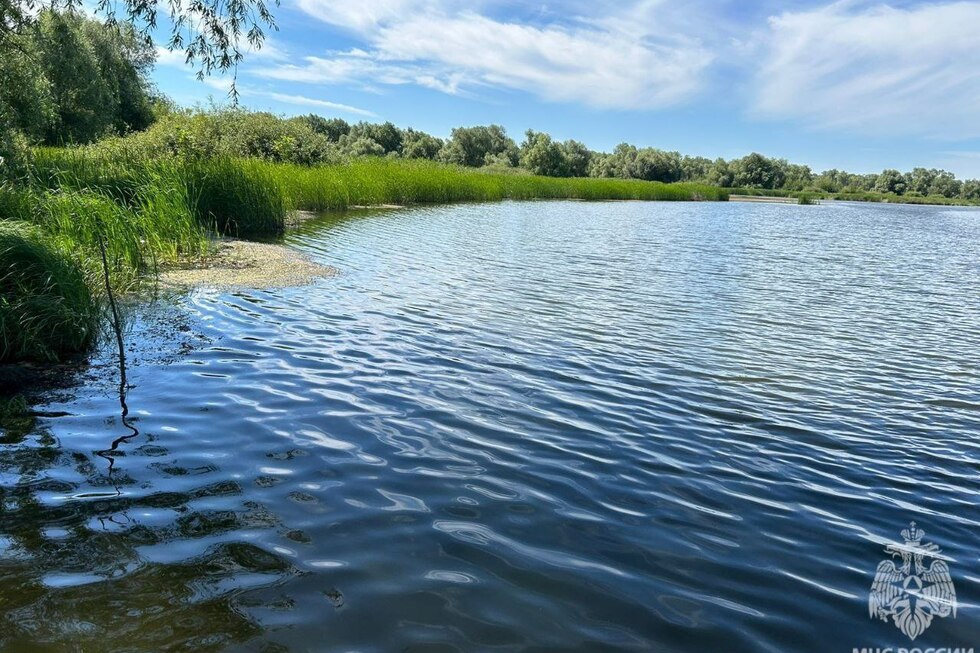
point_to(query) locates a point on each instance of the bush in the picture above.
(228, 133)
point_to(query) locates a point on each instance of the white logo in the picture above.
(912, 594)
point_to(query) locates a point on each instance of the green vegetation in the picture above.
(313, 140)
(390, 181)
(68, 79)
(46, 306)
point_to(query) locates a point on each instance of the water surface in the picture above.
(520, 426)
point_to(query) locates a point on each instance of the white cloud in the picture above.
(269, 52)
(620, 55)
(167, 57)
(304, 101)
(963, 154)
(876, 69)
(223, 84)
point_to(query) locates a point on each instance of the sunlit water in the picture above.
(521, 426)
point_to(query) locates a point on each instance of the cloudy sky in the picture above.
(853, 84)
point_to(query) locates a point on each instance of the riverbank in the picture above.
(763, 199)
(245, 264)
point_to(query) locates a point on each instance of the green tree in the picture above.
(543, 156)
(891, 181)
(919, 181)
(82, 95)
(599, 165)
(476, 146)
(798, 177)
(26, 98)
(946, 184)
(970, 189)
(71, 79)
(332, 128)
(656, 165)
(578, 158)
(419, 145)
(720, 174)
(384, 134)
(365, 146)
(695, 168)
(125, 62)
(212, 34)
(629, 162)
(757, 171)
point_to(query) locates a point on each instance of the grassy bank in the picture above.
(892, 198)
(808, 196)
(394, 181)
(150, 211)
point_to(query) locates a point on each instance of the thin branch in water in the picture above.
(123, 383)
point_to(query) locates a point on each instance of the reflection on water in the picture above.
(518, 426)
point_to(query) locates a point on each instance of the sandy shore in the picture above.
(247, 264)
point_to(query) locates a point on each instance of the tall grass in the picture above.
(938, 200)
(236, 197)
(233, 196)
(387, 181)
(47, 309)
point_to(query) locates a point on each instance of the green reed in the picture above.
(394, 181)
(47, 309)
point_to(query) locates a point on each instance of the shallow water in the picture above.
(520, 426)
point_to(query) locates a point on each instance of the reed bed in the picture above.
(387, 181)
(47, 309)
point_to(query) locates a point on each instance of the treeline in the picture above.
(312, 139)
(70, 79)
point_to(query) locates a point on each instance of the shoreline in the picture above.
(246, 264)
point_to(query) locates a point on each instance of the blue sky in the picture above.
(854, 85)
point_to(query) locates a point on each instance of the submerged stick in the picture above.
(121, 345)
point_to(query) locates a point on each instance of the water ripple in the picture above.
(521, 426)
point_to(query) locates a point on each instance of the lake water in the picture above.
(520, 426)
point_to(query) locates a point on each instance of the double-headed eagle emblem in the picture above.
(915, 592)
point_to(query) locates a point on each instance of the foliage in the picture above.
(542, 156)
(332, 128)
(478, 146)
(70, 79)
(392, 181)
(971, 189)
(757, 171)
(46, 308)
(419, 145)
(386, 138)
(313, 140)
(649, 164)
(890, 181)
(211, 33)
